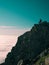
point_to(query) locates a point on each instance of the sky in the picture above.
(17, 17)
(23, 13)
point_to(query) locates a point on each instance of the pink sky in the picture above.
(8, 39)
(6, 44)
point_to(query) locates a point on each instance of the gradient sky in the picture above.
(16, 17)
(23, 13)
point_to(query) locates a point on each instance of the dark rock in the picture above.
(29, 45)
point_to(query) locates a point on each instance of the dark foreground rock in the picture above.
(29, 45)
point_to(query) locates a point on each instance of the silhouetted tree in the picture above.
(40, 21)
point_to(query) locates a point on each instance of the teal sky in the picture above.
(17, 17)
(23, 13)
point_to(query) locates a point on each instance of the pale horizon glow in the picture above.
(6, 44)
(8, 39)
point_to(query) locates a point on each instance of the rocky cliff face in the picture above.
(29, 45)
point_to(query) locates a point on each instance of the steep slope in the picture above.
(29, 45)
(43, 60)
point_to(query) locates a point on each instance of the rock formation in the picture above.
(29, 45)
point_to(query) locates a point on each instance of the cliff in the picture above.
(29, 45)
